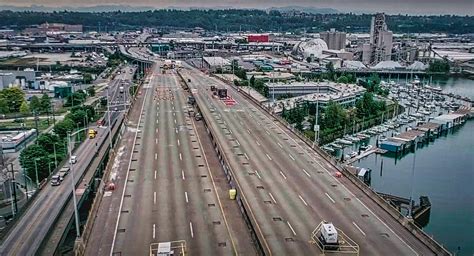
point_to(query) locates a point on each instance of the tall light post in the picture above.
(108, 116)
(73, 185)
(36, 171)
(316, 125)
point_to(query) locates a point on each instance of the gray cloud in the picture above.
(459, 7)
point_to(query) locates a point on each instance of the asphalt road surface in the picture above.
(289, 187)
(28, 233)
(169, 195)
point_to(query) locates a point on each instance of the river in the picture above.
(444, 171)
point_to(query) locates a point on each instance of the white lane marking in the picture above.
(269, 158)
(176, 130)
(279, 145)
(156, 156)
(174, 114)
(305, 172)
(156, 141)
(241, 123)
(292, 158)
(352, 194)
(155, 174)
(330, 198)
(186, 196)
(292, 230)
(178, 142)
(283, 175)
(156, 121)
(363, 233)
(182, 174)
(258, 143)
(156, 130)
(154, 231)
(175, 121)
(248, 131)
(271, 196)
(180, 156)
(230, 131)
(191, 229)
(258, 175)
(304, 202)
(246, 156)
(157, 114)
(238, 143)
(154, 197)
(267, 132)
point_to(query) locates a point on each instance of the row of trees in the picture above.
(334, 118)
(50, 149)
(439, 66)
(236, 20)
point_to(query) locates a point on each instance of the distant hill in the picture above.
(128, 8)
(306, 9)
(97, 8)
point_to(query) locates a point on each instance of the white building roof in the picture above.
(387, 65)
(216, 61)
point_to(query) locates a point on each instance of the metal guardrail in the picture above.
(244, 206)
(410, 226)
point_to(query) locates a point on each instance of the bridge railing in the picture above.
(390, 209)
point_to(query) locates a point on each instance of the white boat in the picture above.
(334, 145)
(369, 147)
(382, 138)
(351, 138)
(362, 136)
(353, 154)
(328, 149)
(344, 142)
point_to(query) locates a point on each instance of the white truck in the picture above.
(328, 234)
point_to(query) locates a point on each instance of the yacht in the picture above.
(344, 142)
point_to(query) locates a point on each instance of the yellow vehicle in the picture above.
(92, 133)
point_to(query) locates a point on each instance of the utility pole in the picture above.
(15, 205)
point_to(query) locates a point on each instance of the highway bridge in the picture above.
(168, 187)
(285, 188)
(32, 226)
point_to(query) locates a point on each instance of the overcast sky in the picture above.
(460, 7)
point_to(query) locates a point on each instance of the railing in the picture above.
(244, 206)
(390, 209)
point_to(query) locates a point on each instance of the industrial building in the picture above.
(23, 79)
(324, 92)
(334, 39)
(381, 42)
(214, 63)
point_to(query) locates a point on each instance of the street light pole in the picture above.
(108, 115)
(36, 170)
(73, 187)
(14, 189)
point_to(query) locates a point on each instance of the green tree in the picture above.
(45, 103)
(3, 106)
(78, 116)
(91, 91)
(27, 161)
(14, 97)
(63, 127)
(439, 66)
(46, 141)
(252, 81)
(35, 104)
(24, 108)
(87, 78)
(343, 80)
